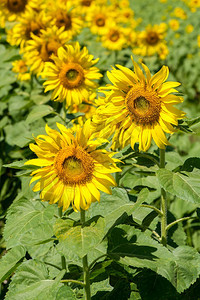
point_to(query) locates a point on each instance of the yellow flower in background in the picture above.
(11, 10)
(20, 67)
(198, 40)
(40, 49)
(180, 13)
(71, 75)
(189, 28)
(138, 108)
(71, 169)
(151, 41)
(193, 4)
(174, 24)
(30, 22)
(65, 15)
(115, 37)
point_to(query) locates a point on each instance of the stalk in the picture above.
(86, 273)
(163, 204)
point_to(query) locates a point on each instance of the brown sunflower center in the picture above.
(74, 165)
(86, 2)
(143, 106)
(47, 49)
(152, 38)
(34, 28)
(63, 19)
(71, 75)
(16, 6)
(114, 35)
(100, 20)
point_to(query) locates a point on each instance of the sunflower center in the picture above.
(152, 38)
(114, 35)
(34, 28)
(47, 49)
(86, 2)
(144, 106)
(63, 19)
(74, 165)
(71, 75)
(16, 5)
(100, 20)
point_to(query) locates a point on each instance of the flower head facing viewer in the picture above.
(71, 168)
(138, 108)
(71, 74)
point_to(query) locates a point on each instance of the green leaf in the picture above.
(17, 165)
(18, 134)
(28, 222)
(65, 293)
(38, 112)
(185, 187)
(194, 121)
(8, 262)
(81, 240)
(31, 281)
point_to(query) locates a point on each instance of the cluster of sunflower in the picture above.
(135, 108)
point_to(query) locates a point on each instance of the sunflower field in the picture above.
(100, 149)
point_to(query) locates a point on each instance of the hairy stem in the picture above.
(86, 273)
(163, 204)
(63, 261)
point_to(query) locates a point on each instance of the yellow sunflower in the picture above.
(71, 75)
(72, 169)
(20, 67)
(40, 49)
(138, 108)
(29, 22)
(174, 24)
(115, 37)
(65, 15)
(11, 10)
(151, 41)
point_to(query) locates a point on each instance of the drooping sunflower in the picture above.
(71, 74)
(65, 15)
(30, 22)
(11, 10)
(151, 41)
(138, 108)
(72, 170)
(40, 49)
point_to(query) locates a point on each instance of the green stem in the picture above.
(73, 281)
(86, 273)
(163, 204)
(177, 221)
(94, 261)
(154, 208)
(63, 261)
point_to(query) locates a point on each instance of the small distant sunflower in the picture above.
(180, 13)
(193, 4)
(150, 41)
(71, 74)
(11, 10)
(174, 24)
(115, 37)
(138, 108)
(72, 169)
(20, 67)
(40, 49)
(66, 15)
(30, 22)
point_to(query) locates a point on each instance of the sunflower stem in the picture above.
(63, 261)
(163, 204)
(86, 273)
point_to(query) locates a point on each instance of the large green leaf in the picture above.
(39, 112)
(81, 240)
(31, 281)
(9, 261)
(65, 293)
(186, 186)
(28, 222)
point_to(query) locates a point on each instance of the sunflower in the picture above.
(71, 74)
(29, 22)
(138, 108)
(174, 24)
(180, 13)
(11, 10)
(20, 67)
(151, 41)
(115, 37)
(40, 49)
(73, 169)
(65, 15)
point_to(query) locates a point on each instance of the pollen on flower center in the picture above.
(74, 165)
(152, 38)
(71, 75)
(143, 105)
(16, 5)
(100, 20)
